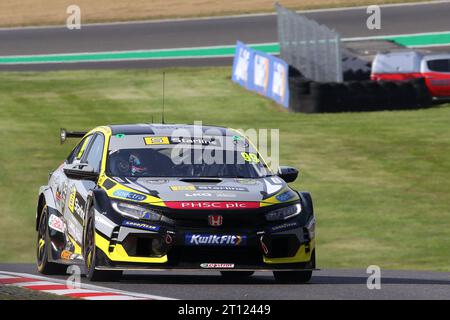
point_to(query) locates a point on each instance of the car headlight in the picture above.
(284, 213)
(135, 211)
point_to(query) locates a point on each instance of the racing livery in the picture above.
(158, 196)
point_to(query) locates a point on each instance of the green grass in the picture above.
(380, 180)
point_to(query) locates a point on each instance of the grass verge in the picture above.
(380, 180)
(45, 12)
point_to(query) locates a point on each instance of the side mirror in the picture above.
(80, 171)
(288, 174)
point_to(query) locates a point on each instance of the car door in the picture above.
(436, 71)
(59, 182)
(78, 190)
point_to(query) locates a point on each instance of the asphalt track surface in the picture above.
(325, 284)
(395, 20)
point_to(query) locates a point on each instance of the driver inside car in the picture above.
(137, 167)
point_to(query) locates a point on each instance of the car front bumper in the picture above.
(134, 245)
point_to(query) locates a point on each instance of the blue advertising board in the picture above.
(262, 73)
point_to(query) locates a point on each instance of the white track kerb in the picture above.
(59, 287)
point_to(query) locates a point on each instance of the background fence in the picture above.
(311, 48)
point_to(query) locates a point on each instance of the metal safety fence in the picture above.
(311, 48)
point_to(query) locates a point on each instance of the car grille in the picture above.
(242, 256)
(232, 220)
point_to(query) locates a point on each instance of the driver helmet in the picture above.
(136, 165)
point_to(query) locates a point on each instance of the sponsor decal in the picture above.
(205, 141)
(208, 188)
(246, 181)
(276, 180)
(72, 196)
(156, 140)
(285, 226)
(56, 223)
(61, 193)
(250, 157)
(156, 181)
(139, 225)
(217, 265)
(79, 206)
(76, 203)
(212, 205)
(183, 188)
(226, 195)
(198, 194)
(129, 195)
(76, 233)
(222, 188)
(285, 196)
(215, 220)
(66, 255)
(214, 240)
(58, 196)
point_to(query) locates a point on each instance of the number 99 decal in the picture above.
(250, 157)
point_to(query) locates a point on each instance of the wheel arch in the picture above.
(45, 198)
(307, 201)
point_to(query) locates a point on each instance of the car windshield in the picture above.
(185, 163)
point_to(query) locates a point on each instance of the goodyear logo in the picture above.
(285, 226)
(214, 240)
(139, 225)
(129, 195)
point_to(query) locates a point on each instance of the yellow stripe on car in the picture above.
(273, 199)
(76, 245)
(300, 256)
(119, 253)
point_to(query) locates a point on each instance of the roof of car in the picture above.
(168, 129)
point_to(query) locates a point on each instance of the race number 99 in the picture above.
(250, 157)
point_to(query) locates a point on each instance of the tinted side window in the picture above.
(441, 65)
(95, 152)
(77, 153)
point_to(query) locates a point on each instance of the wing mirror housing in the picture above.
(288, 174)
(80, 171)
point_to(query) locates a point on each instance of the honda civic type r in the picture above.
(158, 196)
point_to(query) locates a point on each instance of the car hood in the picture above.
(272, 189)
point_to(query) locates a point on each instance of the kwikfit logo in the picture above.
(214, 240)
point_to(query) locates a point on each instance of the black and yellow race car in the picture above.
(159, 196)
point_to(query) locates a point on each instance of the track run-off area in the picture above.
(207, 41)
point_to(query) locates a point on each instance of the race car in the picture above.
(165, 196)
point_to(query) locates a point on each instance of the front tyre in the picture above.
(42, 248)
(91, 258)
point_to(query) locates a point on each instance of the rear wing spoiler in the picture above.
(64, 134)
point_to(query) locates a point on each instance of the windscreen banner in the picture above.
(260, 72)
